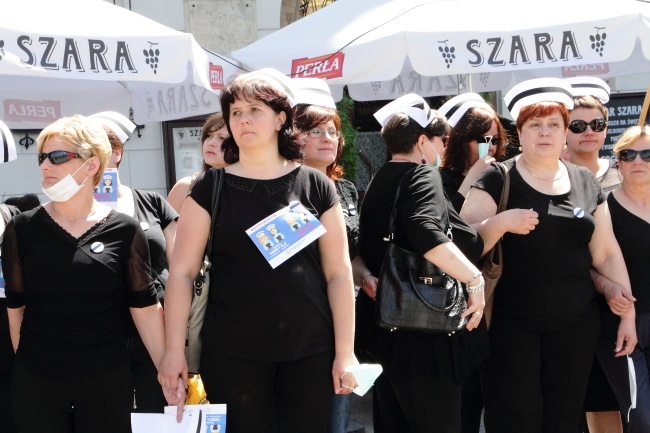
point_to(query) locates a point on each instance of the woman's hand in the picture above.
(475, 306)
(172, 375)
(618, 297)
(626, 337)
(370, 286)
(344, 382)
(519, 221)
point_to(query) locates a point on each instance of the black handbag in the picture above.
(414, 294)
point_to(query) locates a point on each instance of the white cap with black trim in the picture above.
(7, 144)
(590, 86)
(538, 90)
(414, 106)
(118, 123)
(313, 91)
(276, 79)
(457, 106)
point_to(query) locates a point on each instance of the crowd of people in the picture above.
(97, 299)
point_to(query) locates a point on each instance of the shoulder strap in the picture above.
(218, 175)
(5, 212)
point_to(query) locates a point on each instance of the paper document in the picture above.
(199, 418)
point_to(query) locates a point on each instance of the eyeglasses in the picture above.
(629, 155)
(490, 139)
(580, 126)
(319, 133)
(57, 157)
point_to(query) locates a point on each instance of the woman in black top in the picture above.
(473, 124)
(158, 221)
(71, 267)
(630, 216)
(276, 341)
(545, 321)
(420, 387)
(322, 149)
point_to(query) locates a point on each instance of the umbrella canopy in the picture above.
(63, 57)
(378, 47)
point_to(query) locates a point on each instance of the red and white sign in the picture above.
(17, 110)
(216, 77)
(327, 66)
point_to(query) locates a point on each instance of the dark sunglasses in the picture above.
(629, 155)
(579, 126)
(490, 139)
(57, 157)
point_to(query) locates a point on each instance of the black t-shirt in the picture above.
(633, 236)
(254, 311)
(75, 291)
(423, 217)
(154, 214)
(546, 281)
(349, 205)
(451, 182)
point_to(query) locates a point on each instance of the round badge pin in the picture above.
(578, 212)
(144, 225)
(97, 247)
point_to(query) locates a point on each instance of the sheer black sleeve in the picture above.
(12, 268)
(142, 292)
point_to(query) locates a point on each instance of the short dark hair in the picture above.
(472, 125)
(25, 202)
(242, 87)
(116, 143)
(401, 133)
(310, 116)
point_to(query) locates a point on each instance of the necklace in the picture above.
(547, 179)
(74, 219)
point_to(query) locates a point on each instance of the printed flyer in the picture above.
(106, 191)
(285, 232)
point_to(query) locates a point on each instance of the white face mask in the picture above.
(66, 188)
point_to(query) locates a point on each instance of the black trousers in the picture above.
(99, 404)
(148, 397)
(416, 404)
(266, 396)
(535, 381)
(6, 364)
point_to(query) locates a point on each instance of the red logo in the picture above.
(216, 76)
(327, 66)
(18, 110)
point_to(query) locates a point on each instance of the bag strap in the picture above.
(218, 174)
(393, 214)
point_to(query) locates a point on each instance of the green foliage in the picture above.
(350, 156)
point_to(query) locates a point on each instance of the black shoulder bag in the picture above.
(414, 294)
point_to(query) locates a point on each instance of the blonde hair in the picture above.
(87, 136)
(630, 136)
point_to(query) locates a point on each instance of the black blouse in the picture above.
(546, 281)
(75, 291)
(254, 311)
(349, 205)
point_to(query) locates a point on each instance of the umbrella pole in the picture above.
(644, 110)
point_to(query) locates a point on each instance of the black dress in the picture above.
(417, 229)
(75, 293)
(546, 318)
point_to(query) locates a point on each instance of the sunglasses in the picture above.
(57, 157)
(579, 126)
(319, 133)
(490, 139)
(629, 155)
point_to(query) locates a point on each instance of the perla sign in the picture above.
(45, 54)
